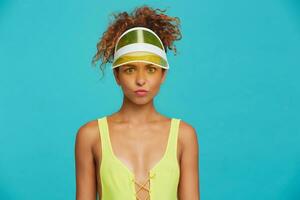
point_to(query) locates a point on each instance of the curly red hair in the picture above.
(166, 27)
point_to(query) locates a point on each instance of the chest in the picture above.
(138, 150)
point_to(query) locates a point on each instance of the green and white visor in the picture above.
(140, 44)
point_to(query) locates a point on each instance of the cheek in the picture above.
(126, 84)
(155, 84)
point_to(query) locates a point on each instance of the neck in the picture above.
(137, 113)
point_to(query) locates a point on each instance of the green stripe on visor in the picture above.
(139, 36)
(141, 56)
(140, 44)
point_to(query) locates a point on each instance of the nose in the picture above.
(141, 77)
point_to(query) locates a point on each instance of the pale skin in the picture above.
(147, 129)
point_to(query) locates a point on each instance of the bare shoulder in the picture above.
(189, 163)
(85, 161)
(187, 134)
(87, 134)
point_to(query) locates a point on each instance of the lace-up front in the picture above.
(118, 182)
(142, 186)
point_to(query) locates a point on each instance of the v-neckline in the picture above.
(123, 164)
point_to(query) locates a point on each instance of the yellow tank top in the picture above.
(118, 181)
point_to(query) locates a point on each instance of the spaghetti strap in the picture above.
(173, 138)
(103, 136)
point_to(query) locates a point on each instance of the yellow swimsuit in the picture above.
(118, 181)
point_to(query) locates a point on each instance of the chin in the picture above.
(141, 100)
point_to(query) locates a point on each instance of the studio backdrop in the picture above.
(235, 78)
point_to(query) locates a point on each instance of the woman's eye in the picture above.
(129, 70)
(152, 69)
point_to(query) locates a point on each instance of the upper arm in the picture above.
(85, 167)
(189, 168)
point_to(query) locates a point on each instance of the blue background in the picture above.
(235, 79)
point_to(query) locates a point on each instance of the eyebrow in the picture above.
(130, 65)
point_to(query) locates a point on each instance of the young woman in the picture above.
(136, 152)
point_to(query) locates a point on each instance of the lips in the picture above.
(141, 92)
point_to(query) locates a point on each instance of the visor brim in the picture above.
(141, 56)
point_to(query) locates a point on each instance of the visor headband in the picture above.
(140, 40)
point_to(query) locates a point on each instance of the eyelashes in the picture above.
(131, 69)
